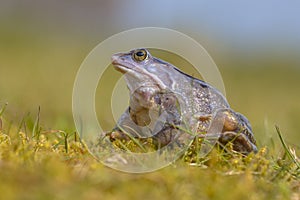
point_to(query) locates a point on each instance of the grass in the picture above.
(53, 164)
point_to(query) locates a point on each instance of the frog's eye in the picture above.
(140, 55)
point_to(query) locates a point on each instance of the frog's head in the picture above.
(141, 69)
(151, 83)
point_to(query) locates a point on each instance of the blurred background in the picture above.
(255, 44)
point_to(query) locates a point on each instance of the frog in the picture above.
(163, 98)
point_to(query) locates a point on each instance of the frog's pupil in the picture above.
(140, 53)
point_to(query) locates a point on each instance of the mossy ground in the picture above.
(53, 164)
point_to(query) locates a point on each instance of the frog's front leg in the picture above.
(164, 136)
(170, 118)
(118, 132)
(132, 124)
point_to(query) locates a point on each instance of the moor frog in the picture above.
(162, 98)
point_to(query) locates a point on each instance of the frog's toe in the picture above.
(117, 135)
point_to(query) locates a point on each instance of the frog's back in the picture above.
(206, 99)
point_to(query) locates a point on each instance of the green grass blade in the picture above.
(3, 109)
(36, 127)
(288, 152)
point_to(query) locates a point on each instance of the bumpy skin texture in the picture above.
(162, 98)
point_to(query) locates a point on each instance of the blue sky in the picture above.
(247, 24)
(242, 21)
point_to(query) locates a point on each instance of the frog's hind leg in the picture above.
(239, 141)
(235, 129)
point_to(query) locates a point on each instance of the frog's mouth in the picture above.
(137, 75)
(120, 68)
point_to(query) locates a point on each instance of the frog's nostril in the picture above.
(114, 58)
